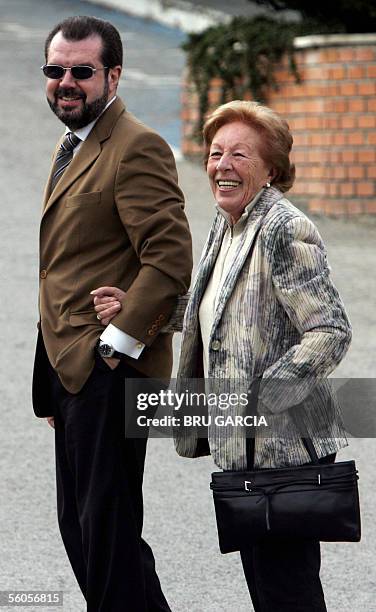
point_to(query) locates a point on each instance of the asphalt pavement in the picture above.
(179, 517)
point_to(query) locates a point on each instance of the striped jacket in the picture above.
(280, 317)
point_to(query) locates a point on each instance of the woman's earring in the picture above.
(267, 184)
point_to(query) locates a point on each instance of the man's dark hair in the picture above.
(80, 27)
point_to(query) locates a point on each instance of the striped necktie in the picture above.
(64, 157)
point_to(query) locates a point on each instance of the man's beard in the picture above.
(76, 119)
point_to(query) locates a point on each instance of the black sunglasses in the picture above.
(79, 73)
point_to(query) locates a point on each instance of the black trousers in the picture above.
(99, 494)
(284, 575)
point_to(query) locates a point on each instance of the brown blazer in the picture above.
(115, 218)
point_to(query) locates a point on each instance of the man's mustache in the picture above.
(69, 91)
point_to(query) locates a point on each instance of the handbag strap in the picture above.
(296, 417)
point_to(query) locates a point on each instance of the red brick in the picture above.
(333, 189)
(356, 172)
(294, 90)
(355, 138)
(369, 207)
(371, 172)
(280, 106)
(314, 123)
(366, 156)
(336, 106)
(347, 89)
(330, 122)
(349, 156)
(371, 105)
(318, 172)
(356, 105)
(330, 55)
(372, 138)
(371, 71)
(348, 121)
(364, 54)
(339, 172)
(345, 54)
(337, 138)
(315, 156)
(367, 121)
(346, 189)
(297, 123)
(367, 88)
(355, 207)
(314, 73)
(365, 188)
(321, 139)
(336, 73)
(355, 71)
(334, 156)
(330, 90)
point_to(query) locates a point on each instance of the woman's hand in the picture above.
(107, 303)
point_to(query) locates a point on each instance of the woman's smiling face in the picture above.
(235, 167)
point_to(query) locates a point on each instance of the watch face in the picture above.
(106, 350)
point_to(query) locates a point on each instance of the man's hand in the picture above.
(51, 421)
(107, 303)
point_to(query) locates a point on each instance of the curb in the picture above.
(180, 14)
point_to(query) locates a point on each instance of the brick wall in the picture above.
(332, 116)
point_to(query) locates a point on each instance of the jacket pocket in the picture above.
(83, 317)
(84, 199)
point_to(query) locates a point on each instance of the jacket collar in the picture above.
(254, 222)
(246, 212)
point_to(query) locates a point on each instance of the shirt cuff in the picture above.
(122, 342)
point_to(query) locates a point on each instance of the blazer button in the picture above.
(43, 273)
(161, 317)
(151, 332)
(154, 327)
(216, 345)
(139, 345)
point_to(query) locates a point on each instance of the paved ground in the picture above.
(179, 514)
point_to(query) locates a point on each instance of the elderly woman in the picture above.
(263, 305)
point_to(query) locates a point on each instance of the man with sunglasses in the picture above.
(113, 215)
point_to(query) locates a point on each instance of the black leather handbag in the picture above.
(313, 501)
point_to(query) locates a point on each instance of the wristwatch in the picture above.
(107, 350)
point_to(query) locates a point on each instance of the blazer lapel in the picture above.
(87, 154)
